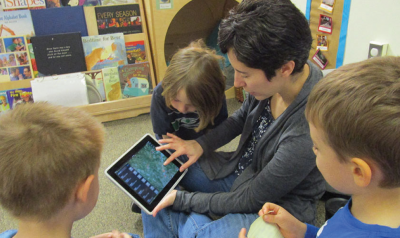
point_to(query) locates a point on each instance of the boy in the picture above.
(50, 157)
(354, 118)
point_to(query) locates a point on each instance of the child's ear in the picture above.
(287, 69)
(362, 173)
(83, 188)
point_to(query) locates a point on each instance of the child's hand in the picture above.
(113, 234)
(191, 148)
(242, 233)
(289, 226)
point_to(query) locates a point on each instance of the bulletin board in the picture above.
(328, 42)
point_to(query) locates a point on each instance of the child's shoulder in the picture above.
(8, 234)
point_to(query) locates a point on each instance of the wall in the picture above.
(369, 20)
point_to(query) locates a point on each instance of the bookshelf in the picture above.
(110, 110)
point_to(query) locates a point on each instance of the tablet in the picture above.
(140, 173)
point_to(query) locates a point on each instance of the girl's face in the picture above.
(182, 103)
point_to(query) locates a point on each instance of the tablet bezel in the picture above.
(121, 161)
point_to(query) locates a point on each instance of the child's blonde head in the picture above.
(45, 151)
(196, 69)
(357, 106)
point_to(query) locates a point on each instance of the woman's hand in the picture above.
(190, 148)
(289, 226)
(166, 202)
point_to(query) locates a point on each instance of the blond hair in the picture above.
(358, 108)
(46, 150)
(196, 69)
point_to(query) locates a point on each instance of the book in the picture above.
(135, 52)
(16, 23)
(96, 77)
(104, 51)
(58, 20)
(119, 18)
(33, 61)
(53, 3)
(15, 63)
(13, 5)
(117, 2)
(112, 86)
(4, 104)
(36, 4)
(19, 96)
(73, 3)
(135, 80)
(59, 53)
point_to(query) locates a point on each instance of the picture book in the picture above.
(59, 53)
(16, 23)
(135, 80)
(73, 3)
(19, 96)
(36, 4)
(104, 51)
(15, 62)
(33, 60)
(13, 5)
(117, 2)
(4, 104)
(119, 18)
(96, 77)
(112, 86)
(135, 52)
(59, 20)
(53, 3)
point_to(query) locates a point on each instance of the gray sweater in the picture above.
(283, 170)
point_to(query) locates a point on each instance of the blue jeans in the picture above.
(169, 223)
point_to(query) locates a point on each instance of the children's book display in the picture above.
(119, 18)
(15, 63)
(59, 54)
(51, 55)
(135, 80)
(104, 51)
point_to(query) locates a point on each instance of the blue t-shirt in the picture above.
(344, 224)
(8, 234)
(165, 119)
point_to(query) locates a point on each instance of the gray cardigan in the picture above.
(283, 170)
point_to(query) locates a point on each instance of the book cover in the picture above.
(33, 60)
(119, 18)
(13, 5)
(36, 4)
(19, 96)
(135, 52)
(117, 2)
(135, 80)
(53, 3)
(96, 77)
(112, 86)
(16, 23)
(59, 53)
(58, 20)
(4, 104)
(73, 3)
(15, 62)
(104, 51)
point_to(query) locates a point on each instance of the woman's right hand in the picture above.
(190, 148)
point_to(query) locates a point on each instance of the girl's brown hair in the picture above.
(197, 70)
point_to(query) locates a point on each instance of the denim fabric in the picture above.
(169, 223)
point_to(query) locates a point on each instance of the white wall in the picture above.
(370, 20)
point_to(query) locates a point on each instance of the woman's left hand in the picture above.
(166, 202)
